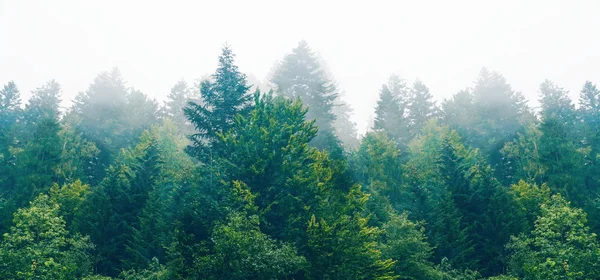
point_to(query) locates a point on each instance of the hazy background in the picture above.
(444, 43)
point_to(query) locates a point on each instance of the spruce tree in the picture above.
(300, 75)
(173, 108)
(44, 103)
(558, 144)
(224, 96)
(112, 116)
(390, 112)
(110, 214)
(421, 107)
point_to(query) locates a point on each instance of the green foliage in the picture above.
(301, 75)
(225, 96)
(241, 251)
(405, 242)
(111, 211)
(345, 249)
(271, 193)
(39, 247)
(70, 197)
(560, 246)
(488, 115)
(111, 116)
(421, 107)
(390, 111)
(177, 100)
(489, 214)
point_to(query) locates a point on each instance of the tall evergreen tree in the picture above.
(10, 116)
(300, 75)
(225, 96)
(345, 128)
(173, 108)
(112, 116)
(110, 214)
(489, 215)
(558, 144)
(489, 115)
(44, 103)
(390, 112)
(421, 107)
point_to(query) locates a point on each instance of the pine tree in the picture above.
(300, 75)
(40, 153)
(421, 107)
(224, 97)
(379, 167)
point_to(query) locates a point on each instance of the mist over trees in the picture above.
(228, 179)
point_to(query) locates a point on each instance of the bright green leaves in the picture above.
(560, 246)
(39, 247)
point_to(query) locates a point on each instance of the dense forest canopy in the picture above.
(226, 180)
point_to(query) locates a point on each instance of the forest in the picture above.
(230, 180)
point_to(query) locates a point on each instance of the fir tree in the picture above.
(421, 107)
(300, 75)
(224, 97)
(390, 112)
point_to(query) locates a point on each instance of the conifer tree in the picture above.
(173, 108)
(390, 112)
(110, 214)
(300, 75)
(421, 107)
(224, 96)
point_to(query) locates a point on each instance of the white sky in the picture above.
(444, 43)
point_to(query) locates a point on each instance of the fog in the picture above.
(443, 43)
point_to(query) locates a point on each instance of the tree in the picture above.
(39, 247)
(561, 246)
(345, 128)
(459, 113)
(177, 100)
(296, 184)
(223, 98)
(300, 75)
(405, 242)
(242, 251)
(489, 214)
(44, 103)
(390, 112)
(421, 107)
(379, 167)
(10, 113)
(36, 162)
(343, 246)
(110, 214)
(112, 116)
